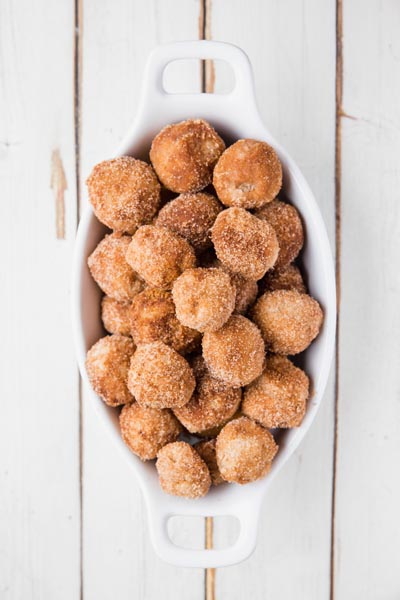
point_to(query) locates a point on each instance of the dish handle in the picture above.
(247, 515)
(153, 88)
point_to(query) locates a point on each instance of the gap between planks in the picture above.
(210, 573)
(338, 202)
(77, 49)
(207, 78)
(207, 66)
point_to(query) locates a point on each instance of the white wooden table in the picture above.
(72, 522)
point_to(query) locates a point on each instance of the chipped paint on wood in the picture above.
(58, 184)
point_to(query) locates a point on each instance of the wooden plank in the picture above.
(39, 475)
(119, 561)
(292, 49)
(367, 530)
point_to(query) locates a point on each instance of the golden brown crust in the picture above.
(248, 174)
(208, 453)
(214, 431)
(115, 316)
(246, 289)
(212, 404)
(110, 270)
(288, 227)
(124, 193)
(246, 293)
(159, 377)
(184, 154)
(166, 297)
(235, 353)
(107, 365)
(152, 318)
(182, 471)
(245, 451)
(289, 278)
(278, 397)
(159, 255)
(244, 244)
(191, 216)
(289, 321)
(146, 430)
(204, 298)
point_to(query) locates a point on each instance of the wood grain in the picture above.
(70, 75)
(367, 531)
(39, 474)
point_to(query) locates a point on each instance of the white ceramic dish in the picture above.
(235, 116)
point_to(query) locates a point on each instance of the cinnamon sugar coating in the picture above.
(289, 321)
(152, 318)
(288, 278)
(159, 256)
(184, 154)
(246, 293)
(110, 270)
(107, 365)
(246, 289)
(244, 244)
(159, 377)
(212, 403)
(191, 216)
(124, 193)
(235, 353)
(214, 431)
(182, 471)
(207, 451)
(245, 451)
(288, 227)
(146, 430)
(248, 174)
(278, 397)
(115, 316)
(204, 298)
(185, 275)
